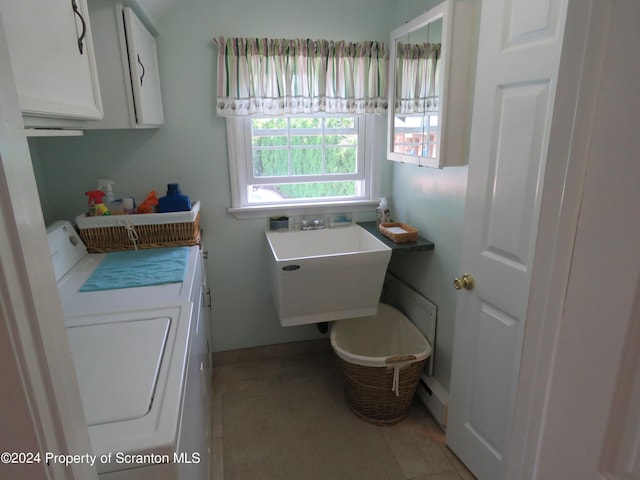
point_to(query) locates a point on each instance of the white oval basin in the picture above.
(324, 275)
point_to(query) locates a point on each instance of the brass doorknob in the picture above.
(467, 282)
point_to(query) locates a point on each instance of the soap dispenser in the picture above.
(383, 215)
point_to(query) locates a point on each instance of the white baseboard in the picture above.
(435, 398)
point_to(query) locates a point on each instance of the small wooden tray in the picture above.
(398, 232)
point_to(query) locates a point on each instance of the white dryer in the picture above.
(138, 363)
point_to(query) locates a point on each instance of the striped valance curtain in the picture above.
(417, 77)
(279, 76)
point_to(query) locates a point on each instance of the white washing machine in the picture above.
(142, 363)
(73, 266)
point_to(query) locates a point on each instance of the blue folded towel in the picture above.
(139, 268)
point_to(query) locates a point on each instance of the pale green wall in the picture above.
(191, 149)
(433, 202)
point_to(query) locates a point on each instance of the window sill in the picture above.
(265, 211)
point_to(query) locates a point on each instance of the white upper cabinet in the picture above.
(429, 103)
(51, 51)
(127, 67)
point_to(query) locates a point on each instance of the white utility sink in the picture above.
(328, 274)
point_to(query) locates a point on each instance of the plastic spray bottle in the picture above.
(105, 186)
(96, 207)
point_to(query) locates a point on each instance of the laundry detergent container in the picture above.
(382, 357)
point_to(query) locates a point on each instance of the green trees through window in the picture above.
(291, 153)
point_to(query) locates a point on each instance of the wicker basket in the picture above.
(370, 395)
(398, 232)
(382, 357)
(116, 233)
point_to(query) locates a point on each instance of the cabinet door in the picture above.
(52, 57)
(145, 76)
(427, 126)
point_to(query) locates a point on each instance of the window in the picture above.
(303, 160)
(304, 123)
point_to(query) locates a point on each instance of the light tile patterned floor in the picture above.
(416, 444)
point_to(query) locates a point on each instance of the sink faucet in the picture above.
(313, 224)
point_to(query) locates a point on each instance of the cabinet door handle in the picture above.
(74, 5)
(140, 63)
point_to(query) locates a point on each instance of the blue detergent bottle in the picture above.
(174, 201)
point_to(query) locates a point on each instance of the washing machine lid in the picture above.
(117, 366)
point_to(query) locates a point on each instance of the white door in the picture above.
(518, 59)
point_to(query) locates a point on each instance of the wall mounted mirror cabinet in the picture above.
(429, 102)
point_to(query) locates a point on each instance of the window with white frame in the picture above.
(302, 120)
(300, 159)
